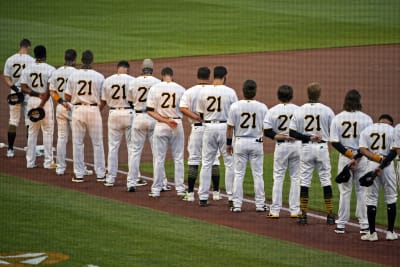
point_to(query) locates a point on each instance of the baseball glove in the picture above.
(367, 179)
(344, 175)
(15, 98)
(36, 114)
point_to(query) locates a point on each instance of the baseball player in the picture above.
(35, 82)
(58, 84)
(83, 91)
(286, 154)
(375, 143)
(163, 105)
(12, 74)
(114, 94)
(188, 108)
(310, 124)
(143, 124)
(344, 136)
(245, 120)
(213, 105)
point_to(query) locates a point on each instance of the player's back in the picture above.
(247, 117)
(15, 65)
(37, 76)
(214, 102)
(115, 90)
(378, 138)
(84, 86)
(165, 97)
(347, 126)
(313, 119)
(59, 78)
(278, 118)
(139, 89)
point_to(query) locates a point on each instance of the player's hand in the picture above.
(353, 164)
(66, 105)
(229, 149)
(378, 171)
(289, 138)
(44, 96)
(315, 138)
(172, 123)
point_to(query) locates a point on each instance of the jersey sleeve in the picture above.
(7, 69)
(24, 77)
(151, 98)
(185, 100)
(293, 122)
(69, 88)
(268, 121)
(363, 139)
(231, 116)
(334, 132)
(103, 91)
(200, 106)
(396, 143)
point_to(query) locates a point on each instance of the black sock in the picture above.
(391, 214)
(11, 139)
(303, 199)
(215, 177)
(192, 176)
(371, 213)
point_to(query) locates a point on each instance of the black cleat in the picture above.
(330, 219)
(131, 189)
(302, 219)
(203, 203)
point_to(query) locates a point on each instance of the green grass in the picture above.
(122, 29)
(36, 217)
(316, 194)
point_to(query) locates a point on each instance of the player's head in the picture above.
(25, 43)
(70, 57)
(352, 101)
(220, 72)
(87, 57)
(386, 118)
(314, 92)
(203, 73)
(167, 73)
(123, 67)
(249, 89)
(285, 93)
(40, 52)
(147, 66)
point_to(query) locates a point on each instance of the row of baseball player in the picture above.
(220, 124)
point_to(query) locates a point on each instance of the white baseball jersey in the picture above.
(378, 138)
(396, 142)
(58, 83)
(36, 76)
(164, 97)
(247, 117)
(313, 119)
(347, 126)
(84, 86)
(15, 65)
(143, 124)
(115, 90)
(139, 89)
(345, 129)
(286, 156)
(214, 102)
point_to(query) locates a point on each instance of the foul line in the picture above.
(309, 214)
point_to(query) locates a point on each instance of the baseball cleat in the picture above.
(101, 179)
(180, 194)
(262, 209)
(189, 196)
(230, 203)
(339, 230)
(294, 215)
(154, 195)
(302, 219)
(87, 172)
(236, 209)
(10, 153)
(364, 230)
(391, 235)
(77, 180)
(330, 219)
(140, 182)
(272, 216)
(52, 166)
(60, 172)
(131, 189)
(108, 184)
(166, 188)
(370, 237)
(216, 195)
(203, 203)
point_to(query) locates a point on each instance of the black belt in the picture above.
(283, 141)
(140, 111)
(214, 121)
(78, 104)
(311, 142)
(121, 108)
(198, 124)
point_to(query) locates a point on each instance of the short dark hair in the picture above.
(167, 71)
(249, 89)
(314, 91)
(123, 63)
(220, 72)
(352, 101)
(386, 117)
(87, 57)
(285, 93)
(25, 43)
(40, 52)
(203, 73)
(70, 55)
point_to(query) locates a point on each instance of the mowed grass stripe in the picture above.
(121, 29)
(92, 230)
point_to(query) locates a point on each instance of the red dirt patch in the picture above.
(374, 70)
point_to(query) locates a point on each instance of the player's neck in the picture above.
(23, 51)
(219, 82)
(40, 60)
(86, 66)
